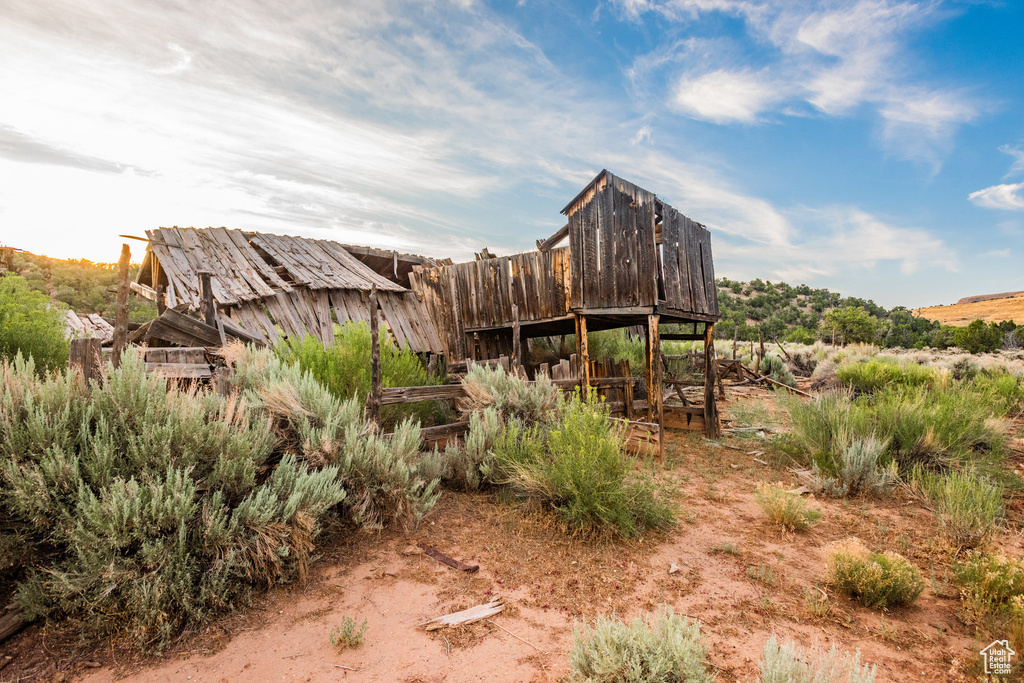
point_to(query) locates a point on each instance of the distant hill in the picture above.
(992, 308)
(989, 297)
(81, 285)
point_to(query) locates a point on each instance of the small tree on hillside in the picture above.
(848, 324)
(30, 325)
(979, 337)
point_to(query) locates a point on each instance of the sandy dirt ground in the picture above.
(742, 577)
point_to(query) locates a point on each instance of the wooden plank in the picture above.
(85, 355)
(180, 370)
(373, 400)
(551, 242)
(712, 426)
(451, 562)
(393, 395)
(466, 616)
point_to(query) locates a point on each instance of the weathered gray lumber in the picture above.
(121, 312)
(712, 426)
(373, 400)
(85, 355)
(466, 616)
(392, 395)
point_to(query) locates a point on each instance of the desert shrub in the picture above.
(978, 337)
(788, 510)
(787, 663)
(877, 580)
(29, 325)
(384, 476)
(857, 470)
(991, 588)
(583, 473)
(343, 368)
(968, 506)
(157, 506)
(803, 361)
(877, 373)
(509, 394)
(347, 635)
(470, 465)
(823, 427)
(773, 367)
(665, 648)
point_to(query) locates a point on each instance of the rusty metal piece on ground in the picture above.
(444, 559)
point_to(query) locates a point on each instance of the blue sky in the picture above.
(873, 147)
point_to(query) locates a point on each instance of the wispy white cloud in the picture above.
(1007, 197)
(1018, 160)
(834, 56)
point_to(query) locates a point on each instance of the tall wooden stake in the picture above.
(655, 405)
(121, 312)
(712, 427)
(583, 352)
(517, 344)
(161, 299)
(373, 400)
(206, 293)
(85, 355)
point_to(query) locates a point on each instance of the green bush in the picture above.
(978, 337)
(344, 368)
(787, 663)
(873, 375)
(666, 648)
(991, 588)
(29, 325)
(773, 367)
(968, 506)
(877, 580)
(347, 635)
(788, 510)
(858, 470)
(582, 472)
(823, 427)
(159, 507)
(511, 395)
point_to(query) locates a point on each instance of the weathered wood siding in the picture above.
(611, 241)
(687, 268)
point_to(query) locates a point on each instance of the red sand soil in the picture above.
(551, 581)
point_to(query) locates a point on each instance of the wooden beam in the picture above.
(583, 350)
(547, 245)
(121, 311)
(373, 400)
(85, 355)
(143, 291)
(655, 404)
(391, 395)
(674, 336)
(712, 426)
(206, 296)
(517, 342)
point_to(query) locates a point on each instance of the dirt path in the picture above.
(741, 577)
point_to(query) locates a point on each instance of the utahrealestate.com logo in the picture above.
(997, 658)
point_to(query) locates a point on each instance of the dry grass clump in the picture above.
(508, 393)
(787, 663)
(788, 510)
(968, 505)
(992, 590)
(664, 648)
(876, 580)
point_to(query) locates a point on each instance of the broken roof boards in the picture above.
(278, 284)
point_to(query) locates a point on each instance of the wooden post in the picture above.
(735, 336)
(373, 400)
(655, 405)
(121, 312)
(712, 427)
(161, 299)
(583, 352)
(760, 351)
(627, 389)
(206, 293)
(85, 355)
(517, 346)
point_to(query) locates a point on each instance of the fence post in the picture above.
(373, 400)
(712, 427)
(121, 312)
(517, 347)
(206, 293)
(85, 355)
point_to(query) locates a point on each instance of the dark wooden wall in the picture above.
(688, 270)
(612, 242)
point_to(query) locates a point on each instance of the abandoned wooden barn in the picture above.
(632, 260)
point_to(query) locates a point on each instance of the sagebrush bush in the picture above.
(31, 326)
(858, 470)
(823, 427)
(343, 368)
(157, 503)
(772, 366)
(160, 507)
(508, 393)
(665, 648)
(347, 635)
(582, 471)
(788, 510)
(968, 505)
(470, 465)
(787, 663)
(877, 580)
(991, 589)
(878, 373)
